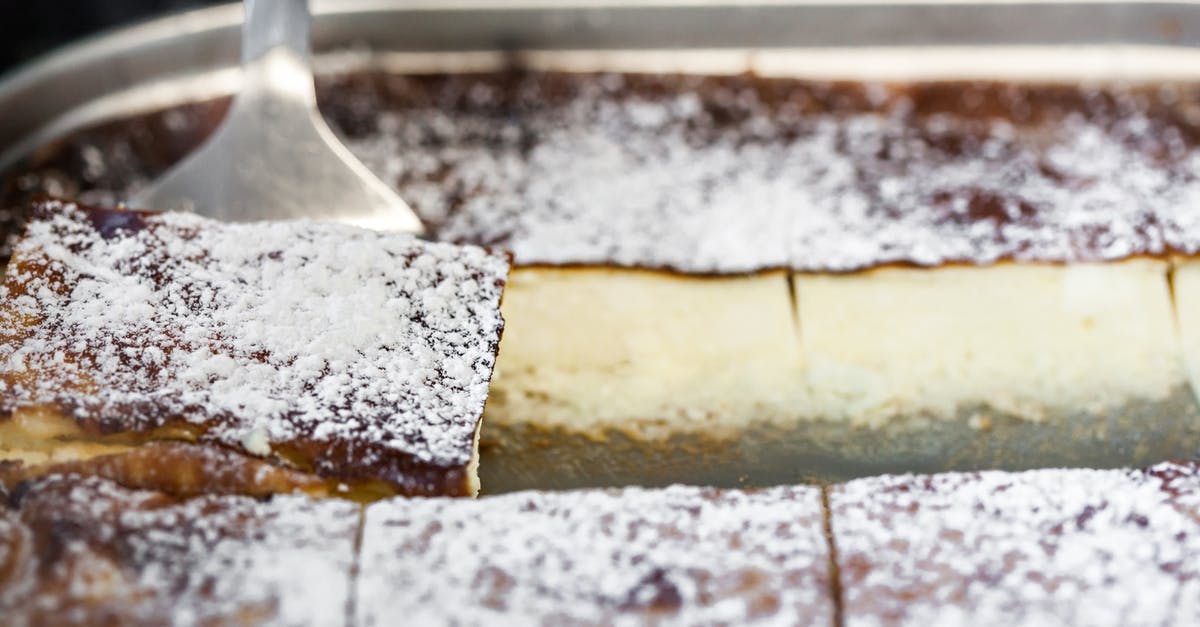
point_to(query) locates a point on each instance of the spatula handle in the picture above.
(272, 24)
(277, 58)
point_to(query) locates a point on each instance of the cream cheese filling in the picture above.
(596, 348)
(649, 354)
(1032, 341)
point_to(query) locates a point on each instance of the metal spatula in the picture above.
(273, 157)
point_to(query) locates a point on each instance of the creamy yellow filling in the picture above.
(650, 354)
(647, 352)
(1031, 341)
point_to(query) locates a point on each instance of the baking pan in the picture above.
(194, 54)
(192, 57)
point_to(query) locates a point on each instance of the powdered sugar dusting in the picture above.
(1071, 547)
(376, 345)
(681, 555)
(737, 173)
(106, 555)
(718, 177)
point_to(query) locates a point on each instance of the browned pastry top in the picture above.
(729, 174)
(733, 174)
(1044, 547)
(1058, 546)
(82, 551)
(354, 354)
(680, 555)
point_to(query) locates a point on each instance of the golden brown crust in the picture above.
(178, 469)
(355, 356)
(88, 552)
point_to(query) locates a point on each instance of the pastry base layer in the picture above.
(36, 443)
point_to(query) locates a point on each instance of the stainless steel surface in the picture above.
(39, 100)
(274, 157)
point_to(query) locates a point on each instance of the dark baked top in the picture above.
(1044, 547)
(82, 551)
(733, 174)
(351, 353)
(712, 174)
(682, 555)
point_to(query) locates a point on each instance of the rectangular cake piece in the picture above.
(998, 365)
(682, 555)
(651, 355)
(1034, 341)
(84, 551)
(982, 260)
(359, 358)
(693, 195)
(1045, 547)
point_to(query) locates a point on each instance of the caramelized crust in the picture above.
(1045, 547)
(82, 551)
(180, 469)
(333, 354)
(731, 174)
(683, 556)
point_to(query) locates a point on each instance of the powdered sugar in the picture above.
(671, 178)
(105, 554)
(1071, 547)
(1094, 547)
(675, 556)
(735, 174)
(377, 345)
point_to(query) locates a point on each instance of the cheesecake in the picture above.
(1042, 547)
(729, 280)
(85, 551)
(159, 348)
(745, 280)
(682, 555)
(1053, 546)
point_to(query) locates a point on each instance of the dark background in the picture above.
(29, 28)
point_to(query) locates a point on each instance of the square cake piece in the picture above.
(966, 367)
(84, 551)
(1044, 547)
(658, 366)
(358, 358)
(1037, 342)
(681, 555)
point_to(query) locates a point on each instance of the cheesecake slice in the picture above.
(682, 555)
(332, 359)
(748, 280)
(730, 280)
(657, 366)
(1010, 365)
(84, 551)
(1045, 547)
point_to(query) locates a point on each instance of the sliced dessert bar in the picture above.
(1045, 547)
(676, 556)
(1010, 201)
(1001, 365)
(359, 358)
(979, 270)
(84, 551)
(652, 356)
